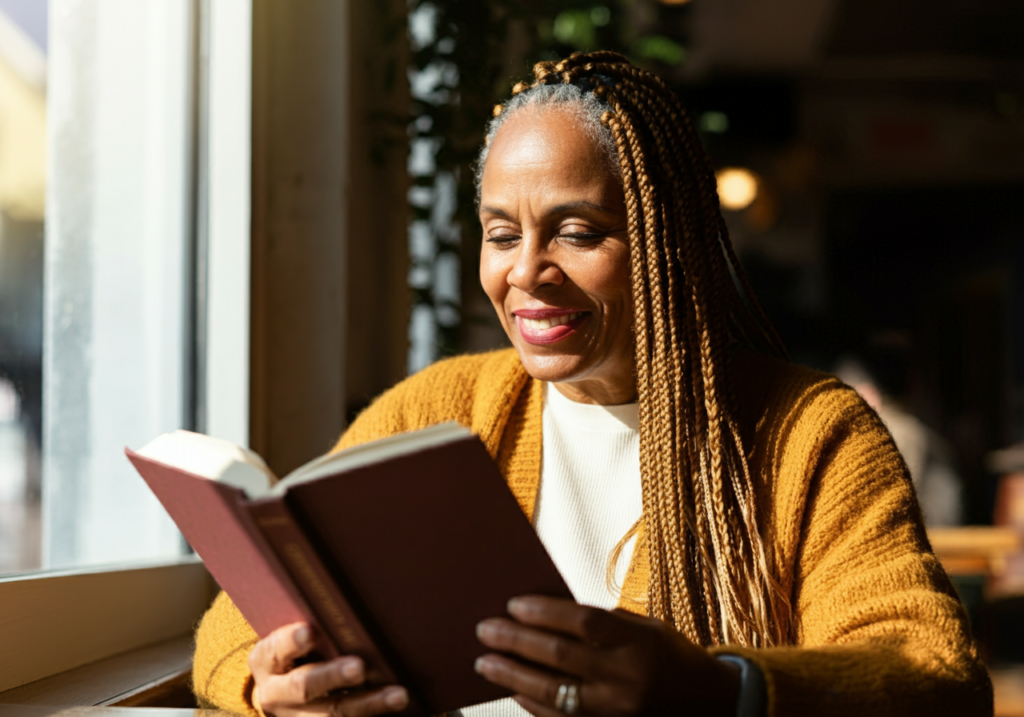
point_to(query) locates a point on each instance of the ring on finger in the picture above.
(567, 699)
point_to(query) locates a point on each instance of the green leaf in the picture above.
(660, 48)
(575, 28)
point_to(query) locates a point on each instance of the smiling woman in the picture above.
(555, 259)
(740, 533)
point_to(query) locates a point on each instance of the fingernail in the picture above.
(352, 669)
(303, 636)
(396, 698)
(485, 630)
(514, 605)
(479, 665)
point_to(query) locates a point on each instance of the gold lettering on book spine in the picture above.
(274, 522)
(323, 596)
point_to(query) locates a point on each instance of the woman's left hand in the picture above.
(622, 664)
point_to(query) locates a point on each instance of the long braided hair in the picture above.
(710, 576)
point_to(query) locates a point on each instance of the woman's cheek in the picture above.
(493, 280)
(490, 276)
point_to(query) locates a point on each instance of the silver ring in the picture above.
(568, 699)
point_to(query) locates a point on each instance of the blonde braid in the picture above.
(644, 316)
(672, 495)
(709, 491)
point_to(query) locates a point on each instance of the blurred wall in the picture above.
(329, 294)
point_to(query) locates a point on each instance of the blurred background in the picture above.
(871, 162)
(870, 158)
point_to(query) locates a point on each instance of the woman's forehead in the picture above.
(545, 144)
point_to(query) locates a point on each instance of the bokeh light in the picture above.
(737, 187)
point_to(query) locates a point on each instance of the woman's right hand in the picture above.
(283, 690)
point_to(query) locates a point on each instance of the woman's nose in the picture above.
(534, 267)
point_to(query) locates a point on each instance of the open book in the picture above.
(393, 550)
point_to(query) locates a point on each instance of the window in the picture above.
(133, 321)
(197, 266)
(107, 356)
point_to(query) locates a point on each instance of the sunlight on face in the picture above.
(555, 255)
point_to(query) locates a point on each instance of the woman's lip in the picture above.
(534, 334)
(545, 313)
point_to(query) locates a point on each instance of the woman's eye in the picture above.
(581, 237)
(502, 239)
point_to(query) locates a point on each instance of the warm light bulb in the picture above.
(737, 188)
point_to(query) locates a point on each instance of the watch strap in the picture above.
(752, 687)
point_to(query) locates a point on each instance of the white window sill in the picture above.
(143, 677)
(57, 622)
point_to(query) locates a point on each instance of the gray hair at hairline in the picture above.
(586, 107)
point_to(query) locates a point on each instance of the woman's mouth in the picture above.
(544, 328)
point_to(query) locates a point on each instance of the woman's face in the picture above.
(555, 255)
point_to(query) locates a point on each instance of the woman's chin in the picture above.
(555, 368)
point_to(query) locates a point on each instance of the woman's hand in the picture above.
(284, 690)
(621, 664)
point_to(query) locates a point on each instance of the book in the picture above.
(393, 550)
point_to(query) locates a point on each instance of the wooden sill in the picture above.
(152, 676)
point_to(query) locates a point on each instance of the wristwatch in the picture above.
(751, 702)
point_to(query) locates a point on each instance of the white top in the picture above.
(589, 497)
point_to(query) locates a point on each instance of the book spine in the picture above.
(333, 610)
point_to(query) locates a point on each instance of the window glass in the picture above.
(118, 280)
(102, 131)
(23, 50)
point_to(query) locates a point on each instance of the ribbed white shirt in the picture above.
(589, 497)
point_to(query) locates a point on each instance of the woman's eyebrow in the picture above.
(565, 208)
(484, 209)
(568, 207)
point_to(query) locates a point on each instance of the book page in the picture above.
(373, 452)
(212, 458)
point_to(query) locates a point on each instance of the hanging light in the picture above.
(737, 187)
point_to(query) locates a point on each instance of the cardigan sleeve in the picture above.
(220, 666)
(879, 629)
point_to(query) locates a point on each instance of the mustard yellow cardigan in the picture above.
(879, 629)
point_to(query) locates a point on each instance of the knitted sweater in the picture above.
(879, 629)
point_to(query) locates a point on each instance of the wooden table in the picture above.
(974, 549)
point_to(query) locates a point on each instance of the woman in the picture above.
(757, 515)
